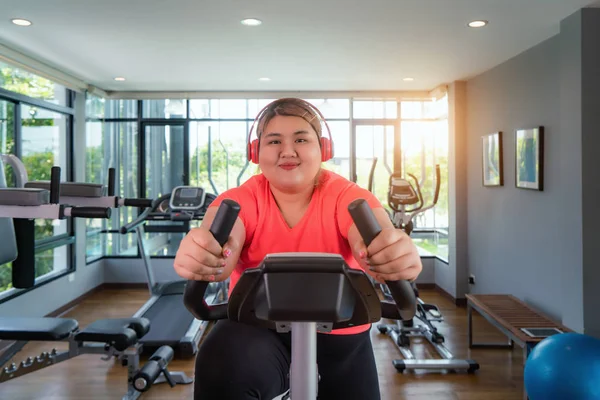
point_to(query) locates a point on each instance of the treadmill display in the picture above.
(188, 193)
(187, 198)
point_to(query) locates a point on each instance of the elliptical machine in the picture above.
(401, 195)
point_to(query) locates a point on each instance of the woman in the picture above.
(293, 205)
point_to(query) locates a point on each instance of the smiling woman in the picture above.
(292, 206)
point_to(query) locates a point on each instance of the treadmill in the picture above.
(170, 322)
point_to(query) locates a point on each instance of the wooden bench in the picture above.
(509, 315)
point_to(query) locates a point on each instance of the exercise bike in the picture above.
(402, 195)
(274, 296)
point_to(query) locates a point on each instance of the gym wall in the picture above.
(539, 246)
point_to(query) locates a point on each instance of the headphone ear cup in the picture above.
(326, 149)
(253, 151)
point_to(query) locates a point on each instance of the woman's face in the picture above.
(289, 153)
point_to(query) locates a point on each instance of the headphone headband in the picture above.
(326, 143)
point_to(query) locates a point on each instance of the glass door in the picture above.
(374, 141)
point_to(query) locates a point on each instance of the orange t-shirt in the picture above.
(323, 228)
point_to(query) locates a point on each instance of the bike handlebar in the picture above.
(368, 226)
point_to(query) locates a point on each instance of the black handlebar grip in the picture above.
(90, 212)
(145, 203)
(111, 181)
(368, 227)
(55, 185)
(193, 295)
(223, 223)
(365, 221)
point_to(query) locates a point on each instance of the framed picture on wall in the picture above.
(529, 158)
(493, 167)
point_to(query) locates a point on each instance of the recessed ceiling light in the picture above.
(251, 22)
(478, 23)
(21, 22)
(408, 79)
(119, 78)
(264, 79)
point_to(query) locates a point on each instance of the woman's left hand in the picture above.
(391, 256)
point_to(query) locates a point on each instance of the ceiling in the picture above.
(308, 45)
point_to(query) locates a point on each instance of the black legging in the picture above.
(241, 362)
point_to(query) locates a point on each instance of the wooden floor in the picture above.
(88, 377)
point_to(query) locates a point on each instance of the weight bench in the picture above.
(509, 315)
(112, 337)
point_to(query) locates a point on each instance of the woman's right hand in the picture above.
(201, 258)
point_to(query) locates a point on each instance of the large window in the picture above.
(218, 155)
(43, 146)
(7, 144)
(424, 132)
(21, 81)
(112, 141)
(36, 125)
(112, 145)
(203, 142)
(7, 134)
(374, 109)
(375, 141)
(340, 133)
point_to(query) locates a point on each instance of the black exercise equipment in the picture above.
(80, 194)
(171, 323)
(83, 194)
(23, 206)
(52, 200)
(303, 293)
(117, 338)
(111, 337)
(402, 194)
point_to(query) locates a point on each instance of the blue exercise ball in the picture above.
(564, 366)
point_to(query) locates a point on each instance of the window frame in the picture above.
(67, 239)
